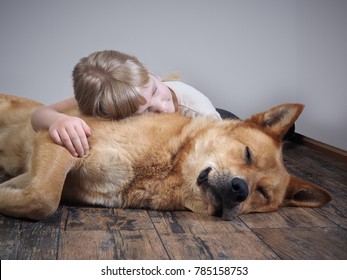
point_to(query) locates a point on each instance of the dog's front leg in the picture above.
(36, 194)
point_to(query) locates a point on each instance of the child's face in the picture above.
(158, 97)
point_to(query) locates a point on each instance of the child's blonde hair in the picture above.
(107, 84)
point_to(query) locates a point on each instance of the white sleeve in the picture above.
(191, 101)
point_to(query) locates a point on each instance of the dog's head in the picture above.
(240, 167)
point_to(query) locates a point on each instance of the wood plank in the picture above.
(27, 240)
(227, 245)
(189, 222)
(287, 217)
(139, 245)
(93, 218)
(116, 234)
(86, 245)
(88, 218)
(188, 235)
(110, 244)
(314, 243)
(332, 167)
(9, 237)
(322, 147)
(38, 242)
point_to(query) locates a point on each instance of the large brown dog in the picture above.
(156, 161)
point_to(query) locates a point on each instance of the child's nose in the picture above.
(162, 107)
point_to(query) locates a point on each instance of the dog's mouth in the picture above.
(224, 192)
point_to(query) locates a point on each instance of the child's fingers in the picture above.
(68, 142)
(86, 129)
(75, 140)
(55, 137)
(83, 141)
(72, 133)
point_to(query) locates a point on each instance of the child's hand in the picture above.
(71, 132)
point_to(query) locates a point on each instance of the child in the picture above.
(114, 85)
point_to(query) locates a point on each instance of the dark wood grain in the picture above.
(86, 245)
(227, 245)
(9, 237)
(139, 245)
(307, 243)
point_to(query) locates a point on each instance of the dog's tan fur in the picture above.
(156, 161)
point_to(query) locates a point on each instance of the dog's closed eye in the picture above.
(248, 156)
(261, 190)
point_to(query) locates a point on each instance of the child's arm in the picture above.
(71, 132)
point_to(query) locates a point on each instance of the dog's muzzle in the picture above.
(228, 192)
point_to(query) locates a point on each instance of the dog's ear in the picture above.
(301, 193)
(279, 119)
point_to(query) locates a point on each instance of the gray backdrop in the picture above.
(245, 55)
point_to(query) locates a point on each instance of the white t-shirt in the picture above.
(192, 102)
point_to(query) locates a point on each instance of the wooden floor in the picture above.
(99, 233)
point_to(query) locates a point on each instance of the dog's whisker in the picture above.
(215, 169)
(217, 160)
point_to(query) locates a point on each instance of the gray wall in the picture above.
(246, 55)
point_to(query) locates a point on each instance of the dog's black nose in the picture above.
(238, 190)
